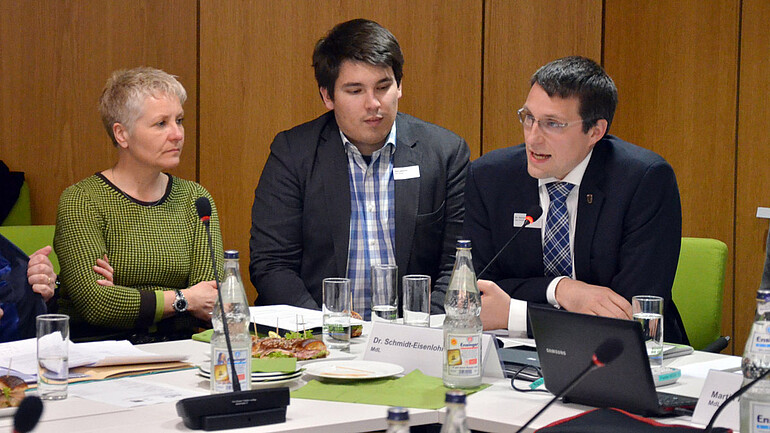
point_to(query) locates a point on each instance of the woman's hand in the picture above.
(201, 298)
(104, 269)
(40, 274)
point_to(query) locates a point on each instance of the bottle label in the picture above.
(760, 338)
(760, 417)
(763, 307)
(220, 369)
(463, 353)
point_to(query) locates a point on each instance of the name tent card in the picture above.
(719, 386)
(419, 348)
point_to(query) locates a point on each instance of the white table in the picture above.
(498, 408)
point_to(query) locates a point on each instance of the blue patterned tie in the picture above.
(557, 257)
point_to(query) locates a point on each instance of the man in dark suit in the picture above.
(360, 185)
(611, 224)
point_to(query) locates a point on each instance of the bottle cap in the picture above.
(455, 397)
(464, 243)
(231, 254)
(398, 414)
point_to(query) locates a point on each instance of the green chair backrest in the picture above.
(698, 287)
(31, 238)
(21, 212)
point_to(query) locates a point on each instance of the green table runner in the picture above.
(414, 390)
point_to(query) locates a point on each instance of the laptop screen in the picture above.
(566, 343)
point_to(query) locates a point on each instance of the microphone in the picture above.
(28, 414)
(532, 215)
(239, 408)
(733, 397)
(607, 352)
(203, 206)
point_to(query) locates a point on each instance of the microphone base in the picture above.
(234, 409)
(241, 420)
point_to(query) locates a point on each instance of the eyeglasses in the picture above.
(548, 126)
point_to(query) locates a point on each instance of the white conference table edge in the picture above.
(495, 409)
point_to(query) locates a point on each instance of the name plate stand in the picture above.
(421, 348)
(719, 386)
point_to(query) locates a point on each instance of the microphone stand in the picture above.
(566, 389)
(532, 215)
(733, 397)
(234, 375)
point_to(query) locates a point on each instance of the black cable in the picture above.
(518, 372)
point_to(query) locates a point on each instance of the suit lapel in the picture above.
(333, 166)
(407, 192)
(589, 206)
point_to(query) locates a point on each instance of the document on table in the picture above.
(130, 392)
(22, 355)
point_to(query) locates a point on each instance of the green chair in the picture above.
(21, 212)
(698, 288)
(31, 238)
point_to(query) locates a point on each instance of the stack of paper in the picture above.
(21, 356)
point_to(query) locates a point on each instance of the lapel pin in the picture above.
(589, 198)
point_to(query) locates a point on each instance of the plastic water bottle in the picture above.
(455, 415)
(462, 325)
(398, 420)
(237, 318)
(755, 402)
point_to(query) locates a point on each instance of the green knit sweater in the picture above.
(153, 247)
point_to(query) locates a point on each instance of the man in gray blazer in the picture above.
(360, 185)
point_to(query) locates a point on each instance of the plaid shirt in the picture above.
(372, 218)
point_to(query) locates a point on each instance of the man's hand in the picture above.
(40, 274)
(495, 305)
(585, 298)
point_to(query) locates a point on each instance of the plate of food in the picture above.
(12, 390)
(300, 345)
(353, 370)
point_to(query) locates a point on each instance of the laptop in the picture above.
(565, 344)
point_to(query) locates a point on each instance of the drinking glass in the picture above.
(53, 336)
(384, 292)
(336, 313)
(648, 310)
(416, 300)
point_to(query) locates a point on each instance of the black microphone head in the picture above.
(203, 205)
(608, 351)
(535, 212)
(28, 414)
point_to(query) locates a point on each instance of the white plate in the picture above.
(7, 411)
(353, 370)
(274, 383)
(257, 377)
(334, 355)
(205, 368)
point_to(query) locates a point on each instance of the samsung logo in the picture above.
(556, 351)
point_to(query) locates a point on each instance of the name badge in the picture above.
(519, 218)
(414, 347)
(402, 173)
(719, 386)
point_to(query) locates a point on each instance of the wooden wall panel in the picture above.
(753, 153)
(55, 57)
(675, 65)
(256, 80)
(520, 37)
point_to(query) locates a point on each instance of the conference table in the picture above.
(496, 409)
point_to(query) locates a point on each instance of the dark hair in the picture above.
(584, 78)
(360, 40)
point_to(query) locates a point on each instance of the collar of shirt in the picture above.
(575, 176)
